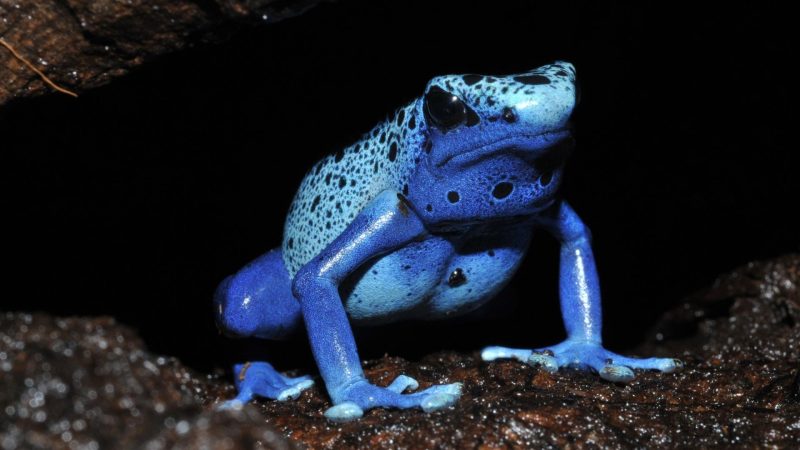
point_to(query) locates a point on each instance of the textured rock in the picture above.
(81, 44)
(89, 383)
(89, 380)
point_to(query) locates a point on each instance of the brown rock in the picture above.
(82, 44)
(89, 383)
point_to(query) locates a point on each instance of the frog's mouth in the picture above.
(533, 146)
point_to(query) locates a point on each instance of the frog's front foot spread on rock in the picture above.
(360, 396)
(260, 379)
(584, 355)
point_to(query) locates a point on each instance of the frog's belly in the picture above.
(432, 279)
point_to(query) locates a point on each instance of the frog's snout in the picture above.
(565, 69)
(563, 72)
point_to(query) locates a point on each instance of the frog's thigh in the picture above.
(257, 301)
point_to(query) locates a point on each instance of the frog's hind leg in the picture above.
(257, 302)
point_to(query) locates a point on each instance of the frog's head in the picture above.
(496, 144)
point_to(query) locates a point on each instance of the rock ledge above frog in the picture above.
(427, 216)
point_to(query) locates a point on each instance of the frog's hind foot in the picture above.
(260, 379)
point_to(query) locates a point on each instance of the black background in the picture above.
(136, 199)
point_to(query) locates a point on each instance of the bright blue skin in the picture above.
(427, 216)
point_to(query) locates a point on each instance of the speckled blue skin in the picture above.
(427, 216)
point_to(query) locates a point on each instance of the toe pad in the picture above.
(344, 412)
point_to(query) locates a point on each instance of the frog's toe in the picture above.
(496, 352)
(433, 398)
(666, 365)
(619, 369)
(233, 404)
(447, 395)
(344, 412)
(438, 401)
(616, 373)
(401, 383)
(672, 365)
(295, 388)
(544, 360)
(446, 389)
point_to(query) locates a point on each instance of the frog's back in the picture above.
(335, 190)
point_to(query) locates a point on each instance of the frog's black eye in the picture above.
(443, 109)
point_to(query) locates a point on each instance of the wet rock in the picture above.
(84, 44)
(92, 379)
(751, 314)
(89, 384)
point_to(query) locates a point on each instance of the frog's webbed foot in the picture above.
(584, 355)
(360, 396)
(260, 379)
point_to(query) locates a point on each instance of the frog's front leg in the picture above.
(387, 223)
(579, 290)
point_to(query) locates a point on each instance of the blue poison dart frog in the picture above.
(427, 216)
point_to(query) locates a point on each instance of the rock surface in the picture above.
(83, 44)
(89, 382)
(83, 383)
